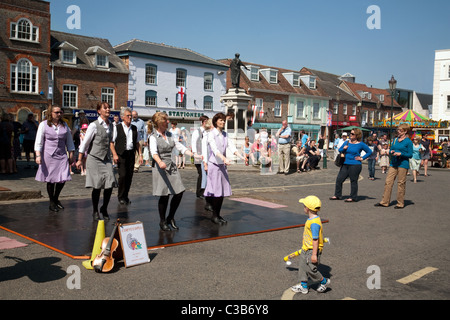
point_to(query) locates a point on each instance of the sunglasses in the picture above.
(352, 133)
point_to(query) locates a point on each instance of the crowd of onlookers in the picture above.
(16, 137)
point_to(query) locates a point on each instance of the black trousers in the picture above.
(348, 171)
(199, 190)
(125, 169)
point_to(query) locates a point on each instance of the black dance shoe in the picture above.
(164, 227)
(53, 207)
(216, 220)
(104, 213)
(172, 224)
(59, 205)
(222, 220)
(96, 216)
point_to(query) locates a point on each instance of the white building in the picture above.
(161, 74)
(441, 85)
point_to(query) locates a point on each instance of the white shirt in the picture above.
(128, 133)
(39, 143)
(90, 133)
(154, 146)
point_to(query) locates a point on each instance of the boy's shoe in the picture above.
(299, 288)
(323, 286)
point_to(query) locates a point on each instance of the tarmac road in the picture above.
(371, 248)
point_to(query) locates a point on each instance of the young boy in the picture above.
(311, 247)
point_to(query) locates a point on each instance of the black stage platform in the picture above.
(72, 230)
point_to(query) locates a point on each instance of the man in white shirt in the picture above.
(126, 144)
(196, 143)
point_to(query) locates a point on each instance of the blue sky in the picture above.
(327, 35)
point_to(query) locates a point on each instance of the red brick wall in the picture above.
(90, 84)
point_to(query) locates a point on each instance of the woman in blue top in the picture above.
(401, 151)
(352, 165)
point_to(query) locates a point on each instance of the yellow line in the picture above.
(288, 294)
(417, 275)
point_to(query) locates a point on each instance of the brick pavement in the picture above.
(244, 179)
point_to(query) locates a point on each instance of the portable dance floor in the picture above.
(72, 231)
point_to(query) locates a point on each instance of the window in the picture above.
(335, 108)
(207, 103)
(24, 30)
(300, 109)
(448, 102)
(364, 116)
(101, 61)
(181, 78)
(354, 110)
(449, 71)
(24, 77)
(150, 74)
(254, 73)
(68, 56)
(150, 98)
(344, 110)
(273, 76)
(181, 105)
(316, 110)
(70, 93)
(312, 82)
(259, 105)
(108, 96)
(208, 81)
(296, 80)
(277, 109)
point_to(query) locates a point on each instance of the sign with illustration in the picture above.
(134, 246)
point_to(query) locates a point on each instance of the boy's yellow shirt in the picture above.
(308, 236)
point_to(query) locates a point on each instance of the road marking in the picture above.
(416, 275)
(288, 294)
(348, 298)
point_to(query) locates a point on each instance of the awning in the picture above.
(294, 126)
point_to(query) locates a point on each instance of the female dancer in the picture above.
(166, 178)
(53, 140)
(218, 184)
(99, 170)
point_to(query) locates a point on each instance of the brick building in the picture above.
(86, 71)
(24, 57)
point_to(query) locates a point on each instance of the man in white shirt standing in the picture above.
(126, 144)
(196, 143)
(142, 136)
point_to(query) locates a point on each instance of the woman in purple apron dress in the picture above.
(218, 183)
(53, 141)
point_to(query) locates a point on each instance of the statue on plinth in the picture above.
(235, 68)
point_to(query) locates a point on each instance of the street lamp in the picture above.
(338, 98)
(392, 86)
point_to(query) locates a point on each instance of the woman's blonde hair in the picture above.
(358, 134)
(158, 118)
(404, 126)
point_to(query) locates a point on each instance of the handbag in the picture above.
(340, 159)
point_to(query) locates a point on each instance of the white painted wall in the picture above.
(441, 85)
(166, 86)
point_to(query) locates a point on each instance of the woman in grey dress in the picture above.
(99, 170)
(166, 178)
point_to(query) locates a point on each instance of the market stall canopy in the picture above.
(410, 115)
(414, 119)
(352, 127)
